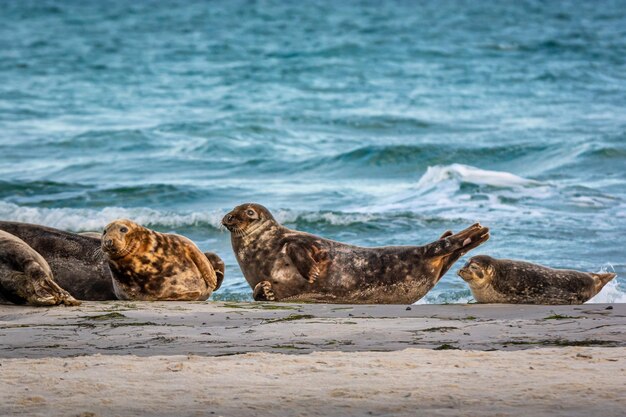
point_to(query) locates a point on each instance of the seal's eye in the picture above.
(250, 213)
(123, 229)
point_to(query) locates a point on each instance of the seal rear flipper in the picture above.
(450, 247)
(310, 260)
(602, 279)
(218, 266)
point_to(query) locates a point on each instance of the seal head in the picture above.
(247, 219)
(478, 272)
(122, 238)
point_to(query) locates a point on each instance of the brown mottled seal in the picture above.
(517, 282)
(148, 265)
(77, 262)
(26, 277)
(284, 264)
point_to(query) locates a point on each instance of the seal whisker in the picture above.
(97, 253)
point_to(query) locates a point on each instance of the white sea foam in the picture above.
(465, 173)
(74, 219)
(611, 292)
(436, 298)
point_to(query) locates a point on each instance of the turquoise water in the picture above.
(375, 124)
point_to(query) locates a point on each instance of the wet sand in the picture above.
(128, 358)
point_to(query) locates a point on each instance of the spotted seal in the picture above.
(26, 277)
(517, 282)
(148, 265)
(289, 265)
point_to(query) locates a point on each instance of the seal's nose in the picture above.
(108, 243)
(228, 219)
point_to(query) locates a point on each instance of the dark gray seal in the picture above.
(517, 282)
(26, 277)
(283, 264)
(77, 262)
(148, 265)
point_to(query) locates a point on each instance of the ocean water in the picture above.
(367, 122)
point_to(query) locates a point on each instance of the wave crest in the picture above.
(463, 191)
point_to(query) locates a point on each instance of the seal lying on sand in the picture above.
(77, 262)
(284, 264)
(80, 266)
(517, 282)
(26, 277)
(148, 265)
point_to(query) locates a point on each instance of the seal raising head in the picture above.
(284, 264)
(147, 265)
(516, 282)
(248, 219)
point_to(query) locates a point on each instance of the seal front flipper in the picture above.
(263, 292)
(40, 289)
(218, 266)
(311, 260)
(203, 264)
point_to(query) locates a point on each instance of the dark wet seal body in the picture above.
(26, 277)
(77, 262)
(147, 265)
(517, 282)
(287, 265)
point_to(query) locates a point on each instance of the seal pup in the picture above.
(517, 282)
(288, 265)
(77, 262)
(148, 265)
(26, 277)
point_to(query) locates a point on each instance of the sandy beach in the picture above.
(127, 359)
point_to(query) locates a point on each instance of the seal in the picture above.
(26, 277)
(288, 265)
(77, 262)
(517, 282)
(148, 265)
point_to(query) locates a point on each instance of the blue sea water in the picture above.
(375, 123)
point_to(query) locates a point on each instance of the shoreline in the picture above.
(218, 328)
(173, 358)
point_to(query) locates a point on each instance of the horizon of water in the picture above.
(373, 124)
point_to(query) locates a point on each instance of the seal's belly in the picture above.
(354, 279)
(161, 280)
